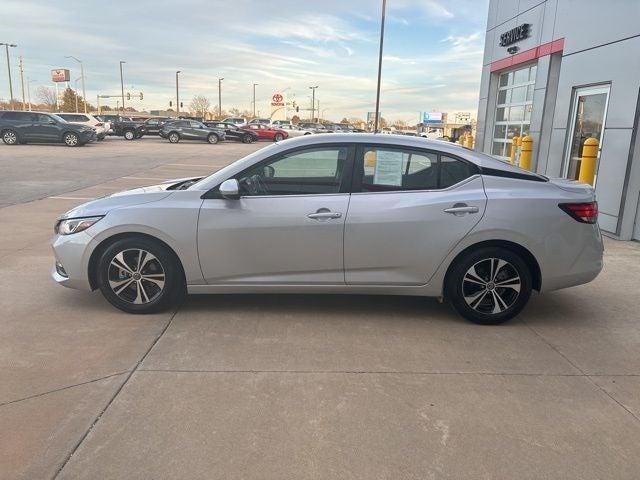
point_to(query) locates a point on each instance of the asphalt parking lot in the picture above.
(294, 386)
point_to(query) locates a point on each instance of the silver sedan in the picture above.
(343, 213)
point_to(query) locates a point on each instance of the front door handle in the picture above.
(324, 214)
(460, 209)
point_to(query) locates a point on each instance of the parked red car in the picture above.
(265, 132)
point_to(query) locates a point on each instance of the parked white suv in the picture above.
(102, 128)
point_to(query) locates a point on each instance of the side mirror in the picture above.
(230, 189)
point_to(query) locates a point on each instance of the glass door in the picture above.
(588, 119)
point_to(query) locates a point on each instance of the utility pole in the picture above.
(24, 106)
(220, 97)
(84, 92)
(177, 94)
(313, 102)
(6, 48)
(75, 84)
(384, 7)
(254, 100)
(29, 92)
(122, 85)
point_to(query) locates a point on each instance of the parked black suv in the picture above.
(190, 130)
(24, 127)
(152, 126)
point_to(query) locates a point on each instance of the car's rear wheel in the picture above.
(10, 137)
(138, 275)
(212, 138)
(248, 139)
(129, 135)
(174, 137)
(70, 139)
(489, 286)
(278, 137)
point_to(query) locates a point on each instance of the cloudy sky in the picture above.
(432, 55)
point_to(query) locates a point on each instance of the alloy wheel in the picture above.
(9, 138)
(136, 276)
(71, 140)
(491, 285)
(173, 138)
(129, 135)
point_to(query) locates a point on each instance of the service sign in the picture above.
(277, 100)
(515, 34)
(60, 75)
(431, 117)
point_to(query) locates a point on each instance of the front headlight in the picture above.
(68, 226)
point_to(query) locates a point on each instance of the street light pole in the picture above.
(122, 84)
(220, 97)
(177, 93)
(84, 92)
(6, 48)
(24, 105)
(254, 100)
(29, 92)
(75, 84)
(313, 102)
(384, 7)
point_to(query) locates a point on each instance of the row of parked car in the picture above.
(74, 129)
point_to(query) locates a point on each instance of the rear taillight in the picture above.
(582, 212)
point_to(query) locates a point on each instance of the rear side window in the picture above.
(75, 118)
(22, 116)
(397, 169)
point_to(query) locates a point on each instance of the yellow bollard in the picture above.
(526, 152)
(468, 142)
(588, 163)
(514, 148)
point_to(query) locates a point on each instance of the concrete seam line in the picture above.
(373, 372)
(114, 396)
(66, 387)
(588, 377)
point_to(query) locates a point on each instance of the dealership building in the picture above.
(562, 71)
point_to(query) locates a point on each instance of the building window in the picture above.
(513, 108)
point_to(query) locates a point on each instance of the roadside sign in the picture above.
(60, 75)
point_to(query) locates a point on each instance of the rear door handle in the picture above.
(461, 208)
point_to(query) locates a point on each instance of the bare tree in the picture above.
(200, 105)
(47, 96)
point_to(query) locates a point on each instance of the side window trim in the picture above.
(358, 166)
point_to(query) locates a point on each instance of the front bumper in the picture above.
(71, 265)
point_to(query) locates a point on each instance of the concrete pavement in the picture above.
(295, 386)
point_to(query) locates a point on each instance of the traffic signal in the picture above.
(128, 96)
(181, 105)
(141, 96)
(297, 109)
(170, 103)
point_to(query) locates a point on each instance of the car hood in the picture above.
(127, 198)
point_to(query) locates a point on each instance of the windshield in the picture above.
(58, 118)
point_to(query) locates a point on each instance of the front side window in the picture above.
(513, 108)
(307, 172)
(394, 169)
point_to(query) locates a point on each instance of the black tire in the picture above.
(174, 137)
(213, 138)
(476, 301)
(278, 137)
(129, 135)
(308, 133)
(139, 135)
(71, 139)
(10, 137)
(152, 297)
(248, 139)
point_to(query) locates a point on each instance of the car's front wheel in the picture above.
(70, 139)
(489, 286)
(10, 137)
(139, 275)
(212, 138)
(174, 137)
(278, 137)
(248, 139)
(129, 135)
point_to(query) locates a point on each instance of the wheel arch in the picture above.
(105, 243)
(524, 253)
